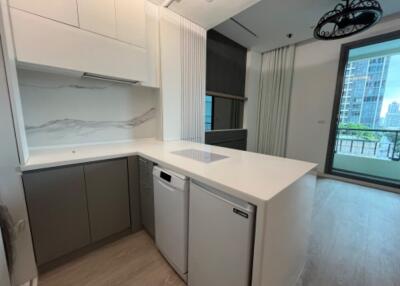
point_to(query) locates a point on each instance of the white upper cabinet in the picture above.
(51, 45)
(131, 21)
(102, 37)
(64, 11)
(98, 16)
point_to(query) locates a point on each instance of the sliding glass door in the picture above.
(365, 134)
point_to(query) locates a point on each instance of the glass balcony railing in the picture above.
(370, 143)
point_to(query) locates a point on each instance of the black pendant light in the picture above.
(352, 17)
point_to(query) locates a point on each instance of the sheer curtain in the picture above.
(274, 100)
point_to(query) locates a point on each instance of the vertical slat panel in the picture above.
(193, 45)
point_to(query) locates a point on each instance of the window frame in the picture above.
(241, 99)
(212, 113)
(344, 56)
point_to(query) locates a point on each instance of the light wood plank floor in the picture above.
(355, 238)
(355, 241)
(132, 260)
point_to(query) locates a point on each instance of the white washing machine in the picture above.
(171, 208)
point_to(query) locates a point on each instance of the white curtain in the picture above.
(274, 100)
(193, 62)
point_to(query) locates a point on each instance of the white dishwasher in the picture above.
(171, 203)
(221, 236)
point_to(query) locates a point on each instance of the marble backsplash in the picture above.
(63, 110)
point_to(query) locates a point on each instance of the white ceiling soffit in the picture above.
(209, 13)
(267, 24)
(157, 2)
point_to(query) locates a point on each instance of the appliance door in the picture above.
(220, 239)
(4, 275)
(171, 221)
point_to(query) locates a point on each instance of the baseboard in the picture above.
(359, 182)
(80, 252)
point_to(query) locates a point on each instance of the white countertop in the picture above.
(253, 177)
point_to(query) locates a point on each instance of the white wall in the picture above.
(11, 190)
(171, 85)
(253, 70)
(63, 110)
(12, 81)
(313, 92)
(182, 57)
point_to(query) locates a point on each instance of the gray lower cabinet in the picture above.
(57, 207)
(134, 193)
(108, 197)
(147, 194)
(73, 207)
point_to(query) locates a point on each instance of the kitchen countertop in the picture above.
(250, 176)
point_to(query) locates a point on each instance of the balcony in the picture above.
(373, 153)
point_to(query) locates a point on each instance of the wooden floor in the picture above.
(133, 260)
(355, 238)
(355, 241)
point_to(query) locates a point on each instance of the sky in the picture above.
(392, 91)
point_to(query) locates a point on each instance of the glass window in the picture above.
(223, 112)
(208, 112)
(366, 142)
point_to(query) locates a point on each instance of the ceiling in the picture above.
(158, 2)
(207, 13)
(273, 20)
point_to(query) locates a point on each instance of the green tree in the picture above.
(364, 133)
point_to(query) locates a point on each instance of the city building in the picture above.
(363, 91)
(392, 118)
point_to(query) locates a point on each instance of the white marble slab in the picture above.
(61, 110)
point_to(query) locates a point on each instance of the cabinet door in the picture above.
(61, 10)
(134, 193)
(40, 41)
(131, 21)
(58, 213)
(147, 195)
(108, 197)
(98, 16)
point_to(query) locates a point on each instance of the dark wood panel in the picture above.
(134, 193)
(236, 139)
(58, 212)
(226, 65)
(108, 197)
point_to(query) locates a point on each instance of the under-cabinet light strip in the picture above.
(111, 79)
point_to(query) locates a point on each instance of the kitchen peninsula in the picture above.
(281, 190)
